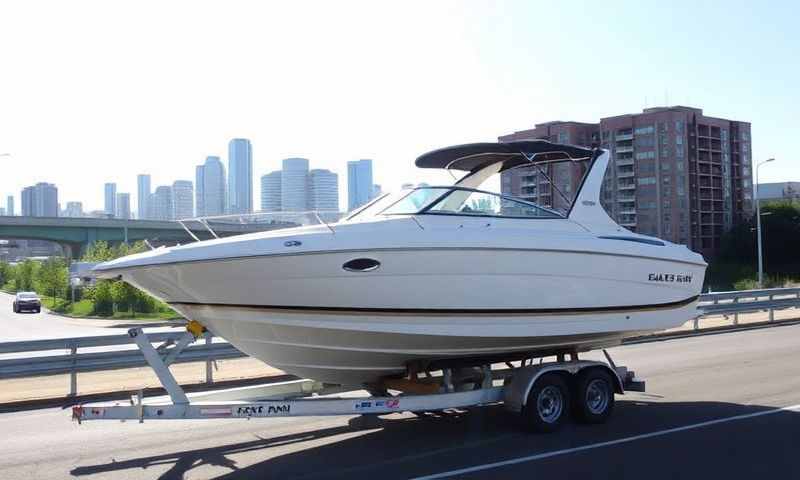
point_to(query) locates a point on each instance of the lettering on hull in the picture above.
(669, 277)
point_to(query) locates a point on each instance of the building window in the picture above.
(645, 130)
(665, 167)
(647, 181)
(665, 180)
(681, 191)
(645, 155)
(679, 165)
(563, 137)
(679, 139)
(679, 151)
(678, 126)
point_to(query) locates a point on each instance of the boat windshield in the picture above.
(454, 201)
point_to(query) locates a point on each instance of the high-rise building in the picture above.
(10, 206)
(359, 183)
(2, 212)
(240, 176)
(143, 196)
(123, 204)
(210, 188)
(40, 200)
(74, 210)
(323, 191)
(182, 199)
(161, 203)
(674, 172)
(271, 192)
(294, 185)
(111, 199)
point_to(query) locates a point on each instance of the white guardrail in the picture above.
(68, 355)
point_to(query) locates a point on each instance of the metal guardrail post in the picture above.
(209, 360)
(736, 315)
(73, 375)
(697, 323)
(771, 312)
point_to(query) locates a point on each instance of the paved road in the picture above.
(738, 381)
(33, 326)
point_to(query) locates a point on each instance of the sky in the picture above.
(95, 92)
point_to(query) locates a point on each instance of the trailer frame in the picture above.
(308, 398)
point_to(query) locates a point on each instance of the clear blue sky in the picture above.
(120, 89)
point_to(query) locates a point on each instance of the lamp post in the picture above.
(758, 225)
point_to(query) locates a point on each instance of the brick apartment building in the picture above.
(674, 173)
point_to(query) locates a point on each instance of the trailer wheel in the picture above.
(594, 396)
(547, 404)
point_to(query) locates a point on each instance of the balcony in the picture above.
(623, 149)
(623, 137)
(627, 212)
(626, 186)
(625, 174)
(622, 162)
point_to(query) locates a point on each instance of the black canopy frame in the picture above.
(473, 157)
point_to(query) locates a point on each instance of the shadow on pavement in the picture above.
(403, 446)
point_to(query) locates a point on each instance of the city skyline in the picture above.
(173, 117)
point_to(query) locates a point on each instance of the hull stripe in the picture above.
(447, 311)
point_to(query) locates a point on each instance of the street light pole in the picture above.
(758, 225)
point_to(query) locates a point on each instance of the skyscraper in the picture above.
(74, 209)
(143, 196)
(271, 192)
(323, 191)
(210, 188)
(182, 199)
(240, 176)
(111, 199)
(10, 206)
(161, 203)
(40, 200)
(359, 183)
(294, 185)
(123, 202)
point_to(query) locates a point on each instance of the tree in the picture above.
(98, 251)
(737, 259)
(52, 278)
(109, 295)
(25, 275)
(5, 273)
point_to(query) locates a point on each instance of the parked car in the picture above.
(27, 301)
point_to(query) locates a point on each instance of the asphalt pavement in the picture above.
(719, 406)
(35, 326)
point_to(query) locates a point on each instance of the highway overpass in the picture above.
(75, 234)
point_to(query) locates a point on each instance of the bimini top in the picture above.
(476, 156)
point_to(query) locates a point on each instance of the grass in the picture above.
(85, 308)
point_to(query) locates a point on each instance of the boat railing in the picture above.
(238, 223)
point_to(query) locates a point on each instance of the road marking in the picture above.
(555, 453)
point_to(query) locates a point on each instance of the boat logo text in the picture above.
(669, 277)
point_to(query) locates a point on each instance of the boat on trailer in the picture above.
(432, 276)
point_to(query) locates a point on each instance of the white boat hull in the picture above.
(308, 316)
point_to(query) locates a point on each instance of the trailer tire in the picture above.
(547, 404)
(594, 396)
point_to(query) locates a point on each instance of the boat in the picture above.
(432, 274)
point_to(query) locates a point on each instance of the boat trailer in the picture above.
(544, 393)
